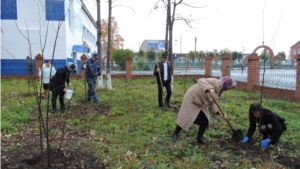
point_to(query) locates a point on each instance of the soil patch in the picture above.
(22, 150)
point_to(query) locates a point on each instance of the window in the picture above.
(9, 9)
(70, 18)
(84, 32)
(294, 51)
(299, 51)
(55, 10)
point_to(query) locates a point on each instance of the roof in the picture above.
(295, 44)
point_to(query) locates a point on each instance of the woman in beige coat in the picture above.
(196, 103)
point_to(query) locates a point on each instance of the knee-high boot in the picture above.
(53, 101)
(200, 135)
(176, 132)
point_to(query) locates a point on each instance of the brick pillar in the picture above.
(297, 93)
(208, 61)
(253, 72)
(128, 67)
(82, 61)
(38, 63)
(226, 65)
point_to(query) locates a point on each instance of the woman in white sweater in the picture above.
(46, 73)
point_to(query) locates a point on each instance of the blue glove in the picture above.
(264, 143)
(245, 140)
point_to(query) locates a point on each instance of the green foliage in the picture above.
(151, 55)
(282, 55)
(141, 54)
(119, 57)
(192, 55)
(159, 53)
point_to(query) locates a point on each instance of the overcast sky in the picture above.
(232, 24)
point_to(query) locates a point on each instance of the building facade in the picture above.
(295, 49)
(60, 29)
(155, 45)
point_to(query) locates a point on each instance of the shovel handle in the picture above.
(222, 113)
(161, 85)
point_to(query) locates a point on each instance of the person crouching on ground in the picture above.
(57, 85)
(271, 125)
(196, 103)
(91, 73)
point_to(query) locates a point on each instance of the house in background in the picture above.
(29, 26)
(295, 49)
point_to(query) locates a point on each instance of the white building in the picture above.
(63, 29)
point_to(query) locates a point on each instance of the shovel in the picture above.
(237, 134)
(162, 88)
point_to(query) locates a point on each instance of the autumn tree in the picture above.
(117, 42)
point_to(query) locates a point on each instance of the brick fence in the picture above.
(252, 84)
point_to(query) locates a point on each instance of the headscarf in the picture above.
(226, 83)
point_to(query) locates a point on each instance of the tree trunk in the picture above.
(109, 85)
(99, 46)
(167, 24)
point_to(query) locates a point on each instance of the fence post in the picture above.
(226, 65)
(38, 63)
(208, 65)
(82, 61)
(297, 93)
(128, 67)
(253, 71)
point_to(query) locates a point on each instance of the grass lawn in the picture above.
(128, 130)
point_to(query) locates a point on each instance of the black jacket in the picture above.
(57, 82)
(161, 66)
(278, 125)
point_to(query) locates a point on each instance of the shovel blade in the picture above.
(237, 135)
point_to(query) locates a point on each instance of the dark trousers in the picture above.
(201, 120)
(167, 85)
(56, 93)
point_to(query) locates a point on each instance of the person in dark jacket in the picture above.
(164, 69)
(270, 125)
(91, 73)
(57, 85)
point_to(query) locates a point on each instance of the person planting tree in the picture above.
(270, 125)
(196, 103)
(45, 74)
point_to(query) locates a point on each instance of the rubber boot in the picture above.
(54, 109)
(200, 135)
(176, 132)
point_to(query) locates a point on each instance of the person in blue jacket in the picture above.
(91, 73)
(270, 125)
(57, 85)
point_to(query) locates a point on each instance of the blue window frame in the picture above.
(55, 10)
(9, 9)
